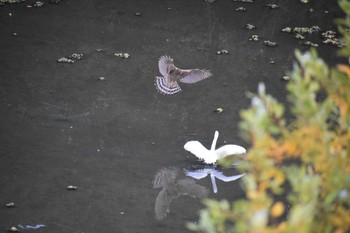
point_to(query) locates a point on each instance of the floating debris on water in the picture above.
(330, 38)
(272, 6)
(329, 34)
(122, 55)
(304, 30)
(247, 1)
(334, 41)
(309, 43)
(99, 50)
(286, 78)
(10, 205)
(241, 9)
(272, 61)
(270, 43)
(65, 60)
(14, 34)
(311, 10)
(38, 4)
(11, 1)
(299, 36)
(71, 59)
(101, 78)
(55, 1)
(72, 188)
(249, 26)
(137, 14)
(304, 1)
(210, 1)
(10, 14)
(13, 229)
(287, 29)
(219, 110)
(254, 38)
(76, 56)
(222, 52)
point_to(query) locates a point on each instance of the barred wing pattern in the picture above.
(196, 75)
(168, 83)
(164, 88)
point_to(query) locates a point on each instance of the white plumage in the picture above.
(212, 155)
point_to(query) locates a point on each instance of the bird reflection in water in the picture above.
(214, 173)
(172, 188)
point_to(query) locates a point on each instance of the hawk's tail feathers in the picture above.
(161, 84)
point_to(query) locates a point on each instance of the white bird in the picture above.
(201, 173)
(168, 83)
(212, 155)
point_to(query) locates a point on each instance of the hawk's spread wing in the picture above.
(196, 75)
(165, 64)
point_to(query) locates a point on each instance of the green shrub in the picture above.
(298, 171)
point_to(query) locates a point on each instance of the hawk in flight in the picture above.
(168, 83)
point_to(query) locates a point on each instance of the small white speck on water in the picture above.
(98, 150)
(286, 78)
(219, 110)
(72, 187)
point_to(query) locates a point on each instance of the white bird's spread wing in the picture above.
(197, 149)
(198, 174)
(165, 64)
(196, 75)
(229, 150)
(224, 178)
(162, 86)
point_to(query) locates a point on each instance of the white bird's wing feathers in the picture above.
(224, 178)
(196, 174)
(165, 63)
(197, 149)
(229, 150)
(195, 75)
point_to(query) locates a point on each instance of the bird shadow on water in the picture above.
(175, 182)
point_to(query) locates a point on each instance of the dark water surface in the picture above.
(60, 125)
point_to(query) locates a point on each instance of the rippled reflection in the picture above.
(213, 173)
(172, 187)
